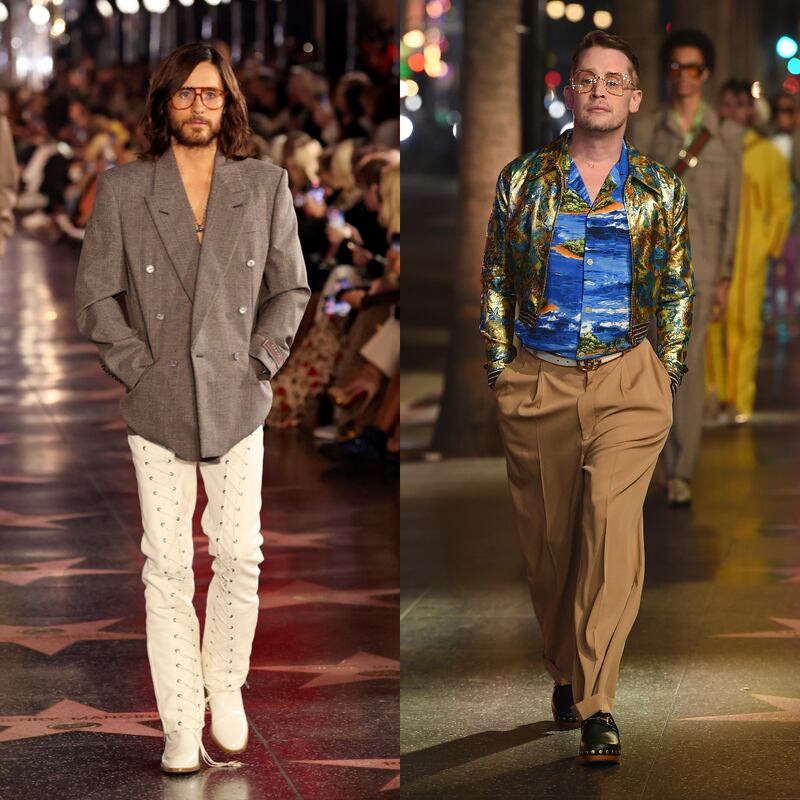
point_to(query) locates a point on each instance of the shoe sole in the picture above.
(225, 749)
(599, 758)
(179, 770)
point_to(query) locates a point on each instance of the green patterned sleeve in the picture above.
(674, 312)
(498, 297)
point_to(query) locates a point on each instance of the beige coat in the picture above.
(203, 327)
(712, 186)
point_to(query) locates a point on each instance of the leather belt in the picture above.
(586, 364)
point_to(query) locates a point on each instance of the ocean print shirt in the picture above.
(585, 312)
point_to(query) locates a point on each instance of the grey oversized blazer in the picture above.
(197, 340)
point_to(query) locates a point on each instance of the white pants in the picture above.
(231, 520)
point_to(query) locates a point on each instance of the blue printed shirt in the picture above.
(585, 311)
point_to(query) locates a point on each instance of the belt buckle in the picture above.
(589, 364)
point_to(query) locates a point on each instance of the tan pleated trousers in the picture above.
(581, 448)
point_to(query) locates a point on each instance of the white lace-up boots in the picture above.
(167, 494)
(232, 523)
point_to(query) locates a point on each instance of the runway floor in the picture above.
(77, 711)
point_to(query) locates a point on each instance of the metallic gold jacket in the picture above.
(527, 198)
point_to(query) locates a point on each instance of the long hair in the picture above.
(169, 76)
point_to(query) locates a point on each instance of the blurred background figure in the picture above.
(784, 294)
(9, 176)
(687, 135)
(765, 208)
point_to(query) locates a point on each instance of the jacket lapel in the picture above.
(172, 215)
(223, 226)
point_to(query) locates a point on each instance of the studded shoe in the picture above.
(561, 704)
(600, 742)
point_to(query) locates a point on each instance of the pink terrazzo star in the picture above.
(51, 639)
(299, 593)
(278, 539)
(792, 633)
(359, 667)
(18, 477)
(789, 711)
(10, 519)
(67, 716)
(23, 574)
(363, 763)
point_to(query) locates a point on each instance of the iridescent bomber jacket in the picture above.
(529, 191)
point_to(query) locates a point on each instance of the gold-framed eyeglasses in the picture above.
(211, 97)
(615, 82)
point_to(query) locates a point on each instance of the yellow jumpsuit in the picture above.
(764, 214)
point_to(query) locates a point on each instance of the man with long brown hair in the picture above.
(203, 248)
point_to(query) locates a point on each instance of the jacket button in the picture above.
(173, 363)
(159, 315)
(242, 309)
(250, 262)
(237, 355)
(149, 268)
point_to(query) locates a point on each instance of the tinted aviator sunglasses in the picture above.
(692, 70)
(211, 97)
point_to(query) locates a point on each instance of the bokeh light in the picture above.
(414, 39)
(791, 84)
(555, 9)
(416, 62)
(574, 12)
(552, 78)
(602, 19)
(557, 109)
(786, 47)
(413, 103)
(794, 66)
(406, 127)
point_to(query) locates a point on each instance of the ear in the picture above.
(635, 101)
(569, 97)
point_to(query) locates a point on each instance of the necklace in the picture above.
(200, 226)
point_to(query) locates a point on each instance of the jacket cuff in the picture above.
(268, 354)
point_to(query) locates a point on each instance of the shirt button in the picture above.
(237, 355)
(589, 261)
(588, 308)
(149, 268)
(242, 309)
(159, 315)
(173, 363)
(250, 262)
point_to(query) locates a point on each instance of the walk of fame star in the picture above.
(67, 716)
(287, 540)
(23, 574)
(18, 477)
(51, 639)
(299, 593)
(10, 519)
(791, 574)
(792, 633)
(359, 667)
(363, 763)
(789, 711)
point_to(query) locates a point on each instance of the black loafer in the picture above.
(599, 740)
(561, 704)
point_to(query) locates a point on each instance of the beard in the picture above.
(191, 137)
